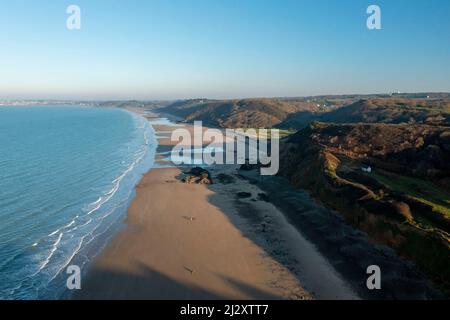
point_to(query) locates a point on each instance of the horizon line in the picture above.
(221, 99)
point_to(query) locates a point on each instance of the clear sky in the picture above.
(163, 49)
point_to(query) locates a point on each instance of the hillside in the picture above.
(296, 113)
(404, 202)
(247, 113)
(396, 111)
(378, 110)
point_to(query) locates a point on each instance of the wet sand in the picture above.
(185, 241)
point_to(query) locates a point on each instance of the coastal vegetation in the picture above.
(330, 142)
(297, 113)
(403, 202)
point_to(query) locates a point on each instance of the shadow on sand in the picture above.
(348, 250)
(149, 284)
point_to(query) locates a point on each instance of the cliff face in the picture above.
(416, 150)
(403, 202)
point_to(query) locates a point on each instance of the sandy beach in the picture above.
(189, 241)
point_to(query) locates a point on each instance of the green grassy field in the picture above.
(282, 133)
(421, 190)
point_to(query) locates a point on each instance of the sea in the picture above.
(67, 176)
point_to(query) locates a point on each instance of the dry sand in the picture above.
(185, 241)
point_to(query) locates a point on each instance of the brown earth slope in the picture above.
(404, 202)
(395, 111)
(380, 110)
(247, 113)
(296, 113)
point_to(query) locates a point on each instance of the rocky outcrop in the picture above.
(197, 175)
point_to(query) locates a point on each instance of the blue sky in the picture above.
(145, 49)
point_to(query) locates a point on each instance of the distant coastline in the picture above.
(168, 221)
(150, 254)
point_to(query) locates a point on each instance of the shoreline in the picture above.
(219, 253)
(307, 263)
(79, 205)
(137, 171)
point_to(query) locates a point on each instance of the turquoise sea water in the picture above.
(67, 175)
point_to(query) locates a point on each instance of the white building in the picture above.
(368, 169)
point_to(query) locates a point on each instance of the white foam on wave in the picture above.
(83, 225)
(59, 247)
(74, 253)
(97, 201)
(54, 232)
(52, 252)
(93, 207)
(71, 223)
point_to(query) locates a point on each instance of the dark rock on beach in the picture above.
(263, 197)
(244, 195)
(198, 175)
(225, 178)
